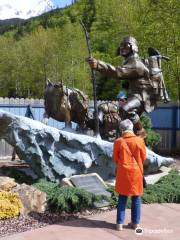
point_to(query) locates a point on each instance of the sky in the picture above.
(61, 3)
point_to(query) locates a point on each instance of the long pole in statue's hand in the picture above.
(93, 77)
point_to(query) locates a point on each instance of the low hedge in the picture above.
(66, 198)
(166, 190)
(70, 199)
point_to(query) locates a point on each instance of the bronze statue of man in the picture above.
(136, 75)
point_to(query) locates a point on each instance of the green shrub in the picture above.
(10, 205)
(114, 196)
(153, 138)
(68, 199)
(47, 187)
(166, 190)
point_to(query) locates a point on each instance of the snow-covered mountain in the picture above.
(24, 8)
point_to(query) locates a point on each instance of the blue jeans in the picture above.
(135, 209)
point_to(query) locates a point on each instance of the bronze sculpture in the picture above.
(143, 89)
(65, 104)
(145, 86)
(93, 78)
(68, 105)
(109, 119)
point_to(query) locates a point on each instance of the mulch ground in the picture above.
(35, 220)
(32, 221)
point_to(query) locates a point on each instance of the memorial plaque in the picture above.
(91, 183)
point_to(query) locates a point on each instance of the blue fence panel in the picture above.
(22, 110)
(178, 118)
(56, 124)
(37, 111)
(168, 118)
(162, 118)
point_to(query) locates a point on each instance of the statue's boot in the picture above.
(139, 130)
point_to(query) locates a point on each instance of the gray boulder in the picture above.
(55, 154)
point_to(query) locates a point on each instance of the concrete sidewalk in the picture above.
(159, 221)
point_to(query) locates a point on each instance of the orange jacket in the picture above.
(128, 174)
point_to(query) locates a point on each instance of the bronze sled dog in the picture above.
(65, 104)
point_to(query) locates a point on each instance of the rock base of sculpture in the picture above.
(54, 154)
